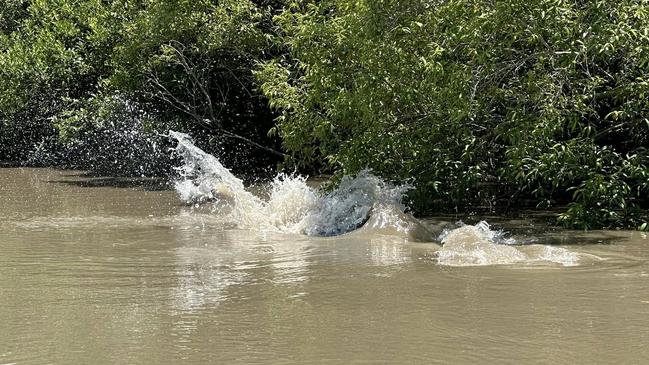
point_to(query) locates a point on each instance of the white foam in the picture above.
(293, 206)
(478, 245)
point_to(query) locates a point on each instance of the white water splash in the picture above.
(478, 245)
(364, 201)
(293, 206)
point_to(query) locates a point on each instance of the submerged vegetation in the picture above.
(476, 104)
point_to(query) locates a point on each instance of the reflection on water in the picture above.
(98, 274)
(215, 260)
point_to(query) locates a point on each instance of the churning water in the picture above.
(104, 270)
(363, 202)
(292, 206)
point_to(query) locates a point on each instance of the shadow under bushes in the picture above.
(94, 181)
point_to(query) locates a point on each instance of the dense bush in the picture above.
(51, 55)
(190, 63)
(479, 102)
(196, 59)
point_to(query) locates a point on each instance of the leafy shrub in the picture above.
(187, 62)
(482, 103)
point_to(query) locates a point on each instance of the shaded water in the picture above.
(94, 271)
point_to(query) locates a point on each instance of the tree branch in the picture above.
(195, 108)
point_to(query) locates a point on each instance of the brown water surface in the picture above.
(95, 271)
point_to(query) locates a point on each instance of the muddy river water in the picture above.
(99, 271)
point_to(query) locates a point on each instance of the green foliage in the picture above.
(478, 104)
(189, 61)
(194, 61)
(11, 15)
(209, 29)
(366, 93)
(53, 53)
(544, 99)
